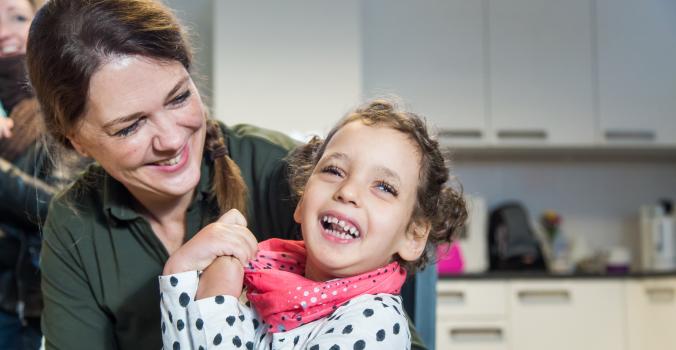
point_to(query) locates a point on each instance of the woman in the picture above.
(113, 81)
(25, 184)
(112, 77)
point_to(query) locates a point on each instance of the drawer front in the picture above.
(472, 335)
(479, 299)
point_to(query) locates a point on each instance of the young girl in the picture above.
(374, 203)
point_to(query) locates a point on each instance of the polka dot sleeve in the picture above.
(367, 322)
(219, 322)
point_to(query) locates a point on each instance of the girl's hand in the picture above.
(6, 125)
(223, 277)
(228, 236)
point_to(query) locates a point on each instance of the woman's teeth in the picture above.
(339, 228)
(10, 49)
(170, 162)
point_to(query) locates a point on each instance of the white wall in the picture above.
(298, 65)
(598, 199)
(289, 65)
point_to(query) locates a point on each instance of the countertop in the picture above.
(511, 275)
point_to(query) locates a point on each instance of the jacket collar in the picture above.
(118, 202)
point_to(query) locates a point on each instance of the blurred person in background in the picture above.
(26, 184)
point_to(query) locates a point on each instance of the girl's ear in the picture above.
(415, 240)
(297, 213)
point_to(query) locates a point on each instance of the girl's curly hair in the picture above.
(438, 203)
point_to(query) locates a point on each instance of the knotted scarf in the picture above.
(285, 299)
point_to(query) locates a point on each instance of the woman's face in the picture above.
(15, 20)
(144, 123)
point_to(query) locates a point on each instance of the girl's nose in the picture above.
(348, 193)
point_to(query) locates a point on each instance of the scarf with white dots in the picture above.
(285, 299)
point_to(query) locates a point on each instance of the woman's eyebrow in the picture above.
(176, 87)
(137, 115)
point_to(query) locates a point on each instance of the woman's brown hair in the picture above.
(70, 40)
(437, 203)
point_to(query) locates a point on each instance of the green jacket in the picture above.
(100, 258)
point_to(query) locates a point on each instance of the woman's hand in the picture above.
(228, 236)
(6, 125)
(223, 277)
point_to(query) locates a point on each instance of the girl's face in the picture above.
(358, 202)
(144, 123)
(15, 20)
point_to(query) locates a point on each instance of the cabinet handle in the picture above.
(561, 296)
(630, 135)
(659, 295)
(453, 296)
(466, 334)
(461, 134)
(535, 135)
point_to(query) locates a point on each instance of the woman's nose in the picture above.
(168, 135)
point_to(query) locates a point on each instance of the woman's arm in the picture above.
(71, 318)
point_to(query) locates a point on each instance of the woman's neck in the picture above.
(167, 218)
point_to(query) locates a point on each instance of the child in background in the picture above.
(374, 203)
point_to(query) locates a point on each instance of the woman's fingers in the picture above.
(6, 126)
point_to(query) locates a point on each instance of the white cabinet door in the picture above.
(651, 314)
(637, 71)
(541, 61)
(471, 299)
(472, 335)
(564, 315)
(431, 53)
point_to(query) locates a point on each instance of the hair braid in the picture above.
(229, 187)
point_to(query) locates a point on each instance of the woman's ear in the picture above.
(415, 240)
(78, 146)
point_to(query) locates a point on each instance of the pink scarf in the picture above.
(285, 299)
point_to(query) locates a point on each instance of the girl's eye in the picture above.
(181, 98)
(130, 129)
(387, 188)
(332, 170)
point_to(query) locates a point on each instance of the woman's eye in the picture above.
(181, 98)
(130, 129)
(387, 188)
(21, 18)
(332, 170)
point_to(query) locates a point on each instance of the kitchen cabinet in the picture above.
(540, 55)
(472, 315)
(462, 334)
(567, 315)
(651, 314)
(637, 71)
(431, 54)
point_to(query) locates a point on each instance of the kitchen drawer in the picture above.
(476, 299)
(472, 335)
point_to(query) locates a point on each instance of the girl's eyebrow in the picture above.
(137, 115)
(388, 173)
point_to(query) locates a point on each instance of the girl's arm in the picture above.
(214, 322)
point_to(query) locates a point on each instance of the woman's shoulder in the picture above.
(79, 201)
(257, 138)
